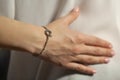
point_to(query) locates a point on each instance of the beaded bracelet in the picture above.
(47, 33)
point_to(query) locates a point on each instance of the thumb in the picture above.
(71, 16)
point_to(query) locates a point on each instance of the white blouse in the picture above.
(97, 17)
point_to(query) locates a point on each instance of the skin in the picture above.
(66, 48)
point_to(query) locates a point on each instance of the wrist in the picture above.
(35, 41)
(48, 34)
(21, 36)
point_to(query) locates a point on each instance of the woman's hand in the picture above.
(66, 47)
(72, 49)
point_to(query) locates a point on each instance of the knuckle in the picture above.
(109, 52)
(77, 68)
(96, 40)
(76, 49)
(95, 60)
(79, 39)
(68, 39)
(101, 60)
(83, 69)
(106, 51)
(90, 60)
(97, 50)
(102, 51)
(62, 63)
(101, 41)
(105, 43)
(80, 59)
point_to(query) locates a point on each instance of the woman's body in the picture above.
(96, 17)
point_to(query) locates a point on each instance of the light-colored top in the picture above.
(97, 17)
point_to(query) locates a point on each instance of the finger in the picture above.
(93, 50)
(80, 68)
(92, 40)
(86, 59)
(71, 16)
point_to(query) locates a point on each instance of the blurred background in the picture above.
(4, 63)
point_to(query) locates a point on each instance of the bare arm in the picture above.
(18, 35)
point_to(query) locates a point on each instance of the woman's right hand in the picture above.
(74, 50)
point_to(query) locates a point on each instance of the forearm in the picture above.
(18, 35)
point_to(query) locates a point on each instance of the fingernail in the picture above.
(110, 46)
(107, 60)
(94, 71)
(113, 53)
(76, 9)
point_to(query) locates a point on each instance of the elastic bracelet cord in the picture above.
(47, 33)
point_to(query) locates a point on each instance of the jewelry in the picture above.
(47, 33)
